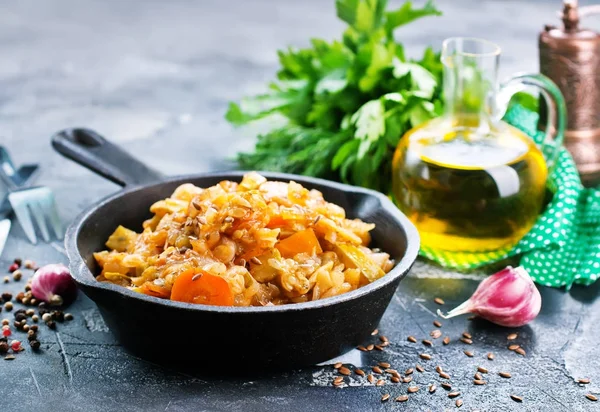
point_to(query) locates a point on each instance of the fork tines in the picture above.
(36, 203)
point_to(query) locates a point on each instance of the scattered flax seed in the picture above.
(407, 379)
(395, 379)
(478, 376)
(344, 371)
(380, 382)
(375, 332)
(513, 347)
(521, 351)
(409, 371)
(370, 347)
(490, 356)
(588, 395)
(439, 301)
(432, 388)
(384, 338)
(516, 398)
(479, 382)
(482, 369)
(371, 378)
(466, 340)
(362, 348)
(391, 371)
(437, 323)
(585, 381)
(504, 374)
(412, 389)
(467, 335)
(453, 394)
(419, 368)
(412, 339)
(338, 365)
(446, 340)
(338, 380)
(459, 403)
(435, 334)
(316, 220)
(468, 353)
(444, 375)
(384, 344)
(402, 398)
(385, 397)
(379, 347)
(425, 356)
(384, 365)
(256, 260)
(512, 336)
(439, 369)
(446, 386)
(359, 372)
(377, 369)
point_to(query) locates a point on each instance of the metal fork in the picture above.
(31, 203)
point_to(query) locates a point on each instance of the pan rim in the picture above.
(84, 276)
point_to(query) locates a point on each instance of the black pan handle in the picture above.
(93, 151)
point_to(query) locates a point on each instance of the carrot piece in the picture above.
(304, 241)
(196, 286)
(151, 289)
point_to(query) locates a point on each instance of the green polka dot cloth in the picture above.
(563, 247)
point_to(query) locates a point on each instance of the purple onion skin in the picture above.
(53, 280)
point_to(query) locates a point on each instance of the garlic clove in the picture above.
(53, 284)
(507, 298)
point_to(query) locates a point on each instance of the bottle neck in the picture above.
(469, 91)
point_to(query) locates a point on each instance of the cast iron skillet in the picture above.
(276, 337)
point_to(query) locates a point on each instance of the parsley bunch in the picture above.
(345, 104)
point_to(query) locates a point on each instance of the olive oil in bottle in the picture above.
(466, 190)
(469, 181)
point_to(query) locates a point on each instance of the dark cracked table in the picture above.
(156, 76)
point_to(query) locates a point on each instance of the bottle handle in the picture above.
(555, 102)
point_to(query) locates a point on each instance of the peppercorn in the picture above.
(34, 328)
(6, 296)
(35, 344)
(6, 279)
(33, 302)
(28, 294)
(58, 315)
(31, 333)
(13, 267)
(68, 316)
(26, 301)
(35, 318)
(8, 306)
(17, 275)
(19, 316)
(20, 297)
(5, 322)
(51, 324)
(42, 305)
(46, 317)
(31, 337)
(15, 345)
(3, 347)
(18, 261)
(25, 328)
(29, 264)
(6, 331)
(27, 287)
(30, 312)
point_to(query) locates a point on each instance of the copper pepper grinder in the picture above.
(570, 56)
